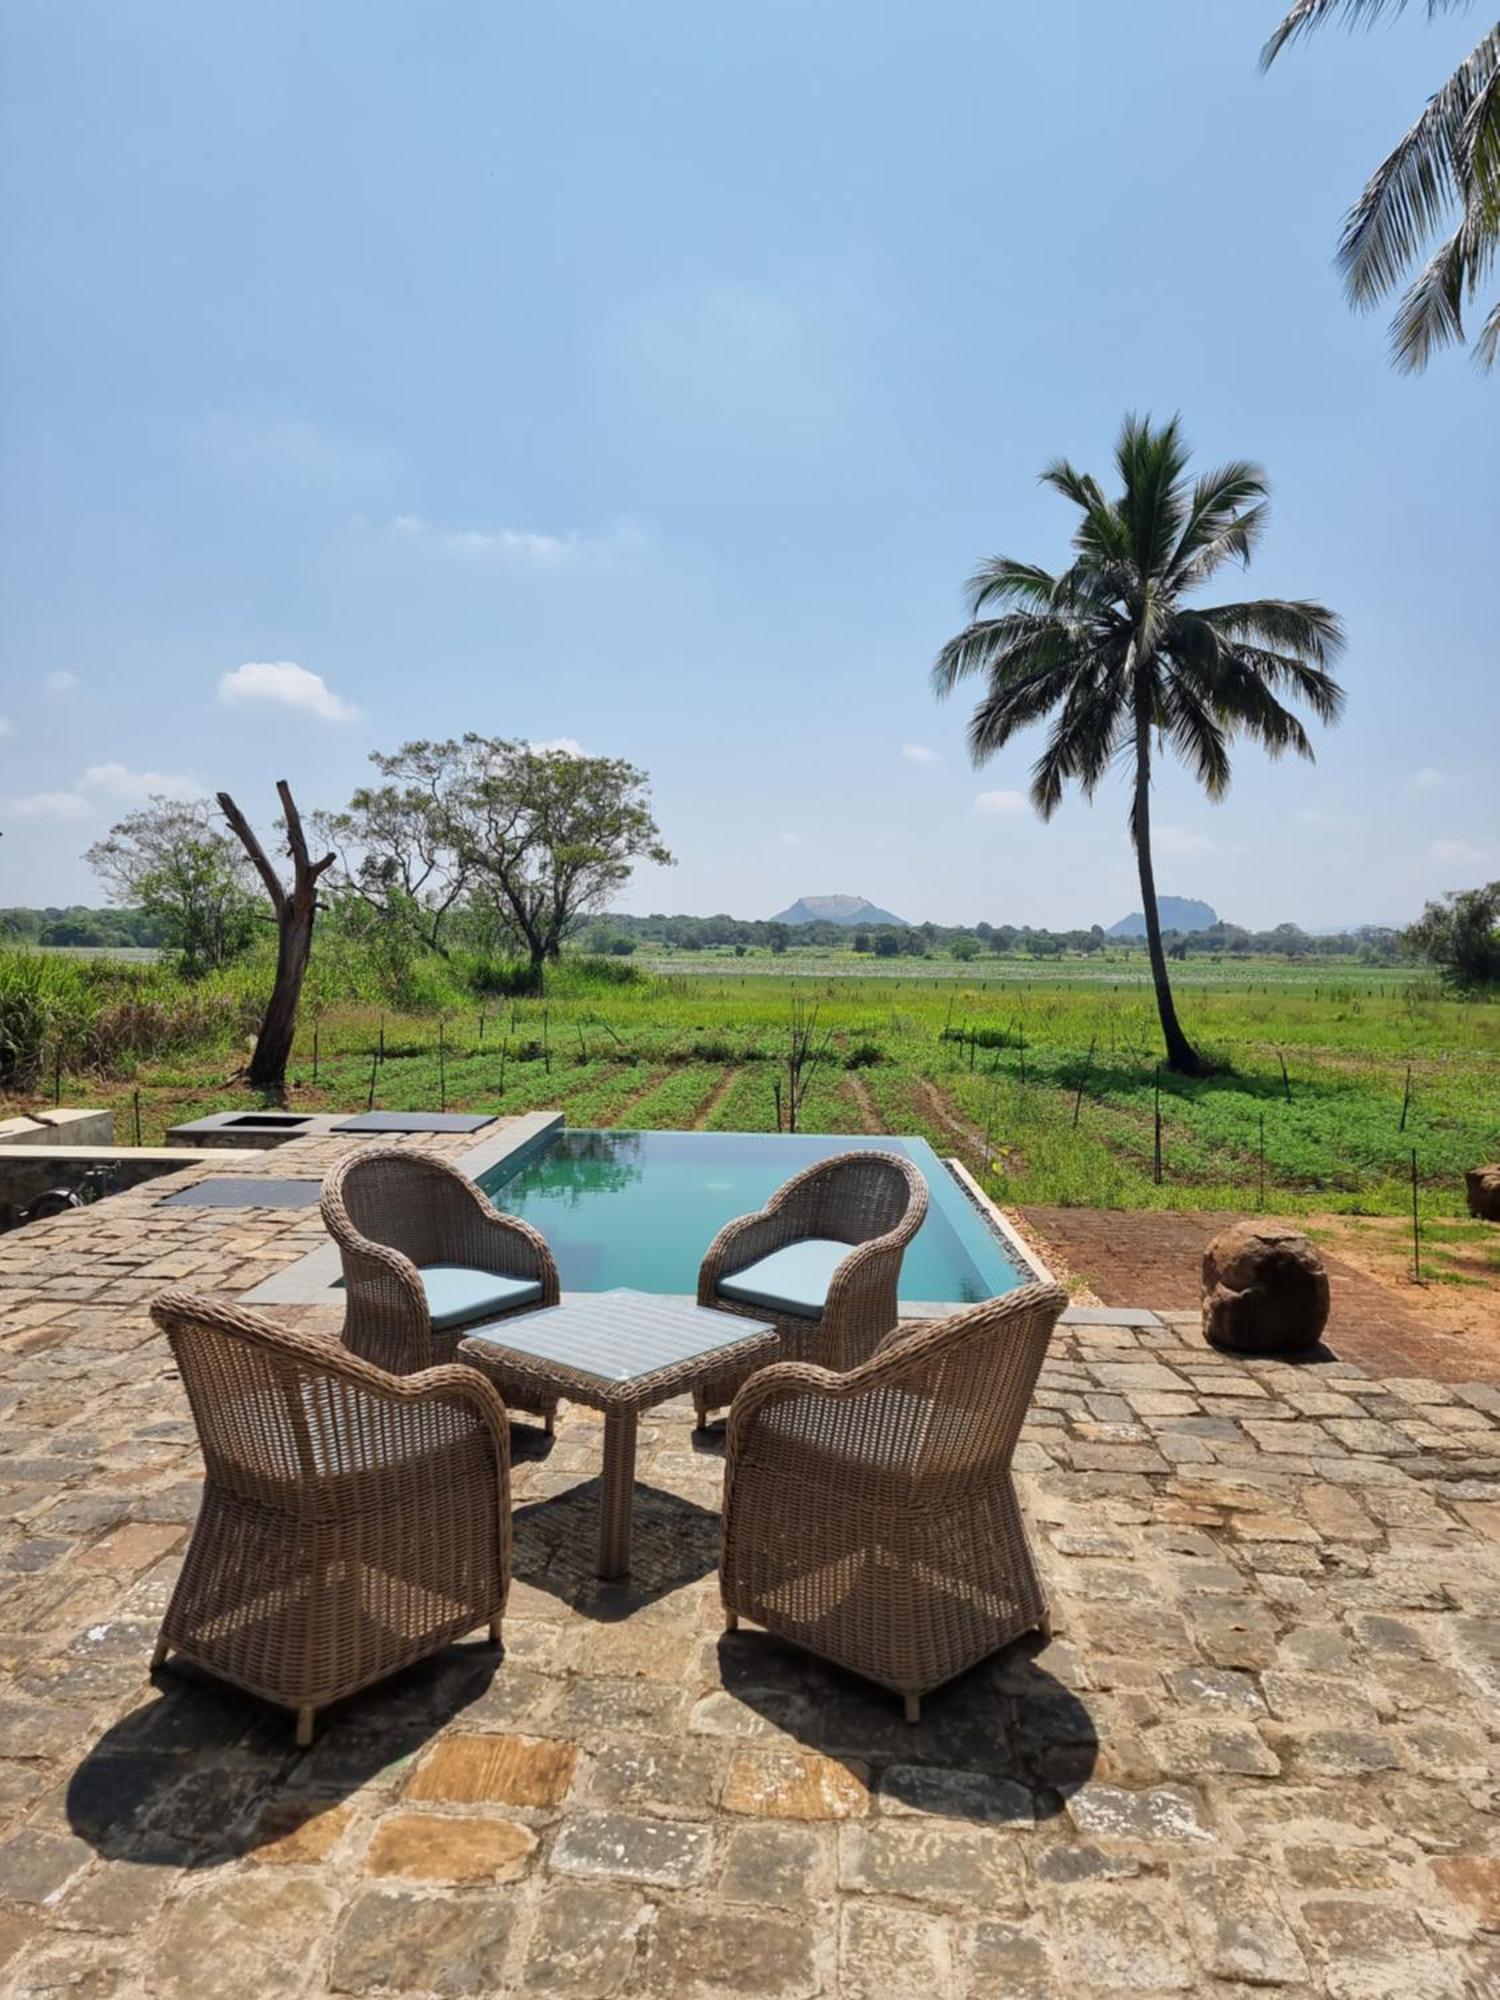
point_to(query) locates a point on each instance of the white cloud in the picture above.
(789, 840)
(1428, 779)
(105, 788)
(532, 549)
(1463, 854)
(919, 753)
(52, 805)
(1329, 822)
(286, 685)
(60, 681)
(1179, 840)
(113, 784)
(1000, 802)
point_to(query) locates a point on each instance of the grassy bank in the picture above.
(1045, 1083)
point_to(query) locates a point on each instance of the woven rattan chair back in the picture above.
(871, 1516)
(397, 1196)
(352, 1521)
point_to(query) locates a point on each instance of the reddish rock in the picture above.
(1264, 1290)
(1483, 1184)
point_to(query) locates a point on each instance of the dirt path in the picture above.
(1153, 1258)
(968, 1138)
(715, 1098)
(622, 1111)
(869, 1116)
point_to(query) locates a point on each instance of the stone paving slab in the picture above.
(1261, 1754)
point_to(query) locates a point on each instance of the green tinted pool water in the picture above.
(639, 1209)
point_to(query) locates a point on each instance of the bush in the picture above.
(864, 1055)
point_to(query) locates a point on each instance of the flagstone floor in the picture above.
(1261, 1752)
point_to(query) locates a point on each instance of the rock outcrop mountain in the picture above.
(836, 910)
(1177, 913)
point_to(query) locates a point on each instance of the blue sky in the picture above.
(653, 376)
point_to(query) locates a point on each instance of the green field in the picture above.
(1043, 1080)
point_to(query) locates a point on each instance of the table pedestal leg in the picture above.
(617, 1497)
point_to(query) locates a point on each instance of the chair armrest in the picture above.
(509, 1247)
(387, 1322)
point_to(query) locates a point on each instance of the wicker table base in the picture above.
(619, 1352)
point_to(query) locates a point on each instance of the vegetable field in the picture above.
(1043, 1082)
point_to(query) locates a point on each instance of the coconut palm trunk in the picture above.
(1181, 1055)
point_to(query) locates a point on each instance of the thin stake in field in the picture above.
(1156, 1156)
(136, 1108)
(442, 1065)
(374, 1072)
(1405, 1100)
(1088, 1064)
(1416, 1225)
(1262, 1201)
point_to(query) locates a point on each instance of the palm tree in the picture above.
(1112, 651)
(1449, 160)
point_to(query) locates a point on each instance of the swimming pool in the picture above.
(639, 1209)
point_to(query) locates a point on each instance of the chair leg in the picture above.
(913, 1707)
(731, 1621)
(1044, 1627)
(159, 1657)
(549, 1422)
(495, 1638)
(304, 1727)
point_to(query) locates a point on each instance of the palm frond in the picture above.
(1002, 581)
(1196, 734)
(1310, 14)
(1292, 624)
(1085, 738)
(1224, 520)
(1487, 346)
(1409, 195)
(1151, 461)
(1432, 312)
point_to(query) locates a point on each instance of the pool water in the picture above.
(639, 1209)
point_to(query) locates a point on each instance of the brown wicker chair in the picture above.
(875, 1202)
(407, 1224)
(352, 1521)
(870, 1517)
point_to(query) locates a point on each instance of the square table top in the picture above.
(618, 1339)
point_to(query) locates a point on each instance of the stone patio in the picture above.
(1260, 1752)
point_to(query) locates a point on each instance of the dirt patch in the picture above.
(1153, 1258)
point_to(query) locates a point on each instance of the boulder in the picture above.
(1264, 1290)
(1483, 1184)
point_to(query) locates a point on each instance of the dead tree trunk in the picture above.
(295, 909)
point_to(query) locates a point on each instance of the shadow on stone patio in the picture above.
(1006, 1741)
(674, 1543)
(203, 1775)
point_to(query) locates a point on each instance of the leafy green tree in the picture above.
(175, 861)
(1443, 174)
(396, 842)
(1460, 933)
(549, 834)
(1113, 651)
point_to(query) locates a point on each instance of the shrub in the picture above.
(864, 1055)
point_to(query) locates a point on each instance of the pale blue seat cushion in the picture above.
(794, 1279)
(456, 1293)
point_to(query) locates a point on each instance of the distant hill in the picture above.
(1178, 913)
(836, 910)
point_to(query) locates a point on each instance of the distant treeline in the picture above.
(79, 926)
(617, 932)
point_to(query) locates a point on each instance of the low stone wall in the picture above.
(29, 1171)
(59, 1128)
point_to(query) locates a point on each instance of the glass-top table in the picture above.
(620, 1352)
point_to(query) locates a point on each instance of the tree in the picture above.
(1113, 651)
(1447, 164)
(396, 842)
(295, 910)
(1460, 932)
(550, 834)
(173, 860)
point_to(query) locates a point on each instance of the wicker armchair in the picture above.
(415, 1236)
(352, 1521)
(870, 1517)
(875, 1202)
